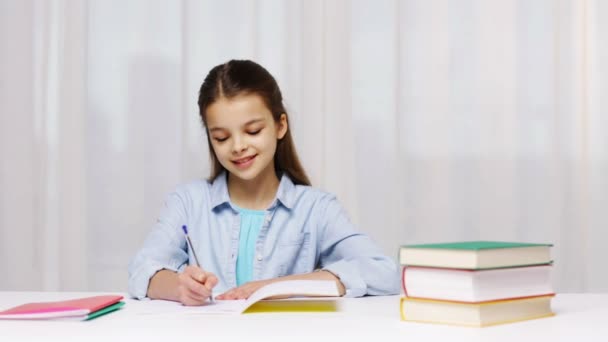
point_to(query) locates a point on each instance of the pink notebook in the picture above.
(60, 309)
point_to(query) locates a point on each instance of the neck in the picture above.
(256, 194)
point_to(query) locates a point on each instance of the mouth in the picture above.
(244, 162)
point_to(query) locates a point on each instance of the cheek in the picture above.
(268, 142)
(220, 150)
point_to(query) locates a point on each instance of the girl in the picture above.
(256, 220)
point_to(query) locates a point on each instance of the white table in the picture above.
(581, 317)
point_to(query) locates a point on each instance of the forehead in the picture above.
(236, 110)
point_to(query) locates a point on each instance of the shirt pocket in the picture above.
(293, 254)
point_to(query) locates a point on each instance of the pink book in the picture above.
(60, 309)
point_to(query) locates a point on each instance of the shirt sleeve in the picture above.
(163, 248)
(354, 257)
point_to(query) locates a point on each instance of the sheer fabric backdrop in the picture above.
(431, 120)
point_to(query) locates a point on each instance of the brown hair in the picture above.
(238, 77)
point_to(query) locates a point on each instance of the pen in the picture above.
(185, 229)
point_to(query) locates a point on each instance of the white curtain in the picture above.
(431, 120)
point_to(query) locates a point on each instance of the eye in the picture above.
(254, 132)
(220, 139)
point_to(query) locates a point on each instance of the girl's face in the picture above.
(244, 135)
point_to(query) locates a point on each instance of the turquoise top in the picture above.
(251, 223)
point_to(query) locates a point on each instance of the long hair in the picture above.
(238, 77)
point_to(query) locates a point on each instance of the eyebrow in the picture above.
(213, 129)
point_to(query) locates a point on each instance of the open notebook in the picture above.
(295, 295)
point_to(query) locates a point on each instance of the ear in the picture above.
(282, 126)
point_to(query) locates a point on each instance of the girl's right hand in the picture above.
(195, 285)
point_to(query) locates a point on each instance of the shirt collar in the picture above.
(219, 191)
(285, 194)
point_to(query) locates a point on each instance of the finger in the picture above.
(196, 295)
(184, 296)
(196, 273)
(188, 300)
(193, 286)
(197, 288)
(242, 294)
(221, 296)
(189, 297)
(210, 281)
(228, 295)
(234, 294)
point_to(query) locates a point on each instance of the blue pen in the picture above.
(185, 229)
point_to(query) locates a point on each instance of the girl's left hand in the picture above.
(243, 291)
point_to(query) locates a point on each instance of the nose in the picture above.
(239, 146)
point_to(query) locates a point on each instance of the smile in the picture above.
(244, 162)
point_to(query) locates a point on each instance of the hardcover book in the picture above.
(475, 255)
(475, 314)
(476, 286)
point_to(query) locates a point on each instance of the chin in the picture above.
(246, 175)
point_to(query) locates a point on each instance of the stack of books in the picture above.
(476, 283)
(81, 309)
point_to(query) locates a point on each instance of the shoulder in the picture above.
(185, 199)
(320, 206)
(317, 199)
(195, 186)
(192, 191)
(312, 192)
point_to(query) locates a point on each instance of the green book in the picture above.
(104, 311)
(475, 255)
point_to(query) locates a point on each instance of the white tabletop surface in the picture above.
(581, 317)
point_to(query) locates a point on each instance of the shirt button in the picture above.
(259, 257)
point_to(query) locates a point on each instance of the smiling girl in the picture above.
(256, 220)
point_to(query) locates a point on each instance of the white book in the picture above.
(477, 285)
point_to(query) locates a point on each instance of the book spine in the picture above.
(403, 281)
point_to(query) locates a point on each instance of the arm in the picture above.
(163, 249)
(163, 285)
(353, 256)
(159, 269)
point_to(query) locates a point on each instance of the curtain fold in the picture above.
(430, 120)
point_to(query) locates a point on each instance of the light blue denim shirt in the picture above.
(304, 229)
